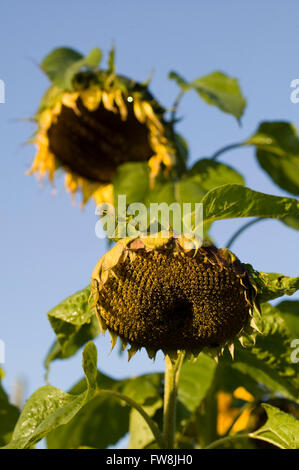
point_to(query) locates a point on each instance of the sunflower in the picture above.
(91, 126)
(160, 294)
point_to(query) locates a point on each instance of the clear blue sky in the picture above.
(48, 247)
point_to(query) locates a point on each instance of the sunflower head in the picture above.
(156, 293)
(90, 121)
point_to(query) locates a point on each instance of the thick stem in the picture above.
(172, 372)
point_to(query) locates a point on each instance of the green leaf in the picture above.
(91, 61)
(74, 323)
(284, 172)
(104, 420)
(146, 390)
(291, 221)
(195, 380)
(62, 64)
(141, 437)
(290, 311)
(99, 424)
(57, 62)
(269, 361)
(277, 151)
(131, 179)
(209, 174)
(9, 415)
(273, 285)
(49, 407)
(232, 200)
(280, 429)
(218, 89)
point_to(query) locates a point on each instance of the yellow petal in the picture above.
(242, 394)
(45, 119)
(69, 100)
(108, 101)
(149, 112)
(121, 104)
(138, 111)
(242, 422)
(104, 194)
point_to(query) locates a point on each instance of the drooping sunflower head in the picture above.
(157, 294)
(92, 123)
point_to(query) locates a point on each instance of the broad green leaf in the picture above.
(141, 437)
(233, 200)
(218, 89)
(9, 415)
(69, 344)
(75, 309)
(280, 429)
(283, 171)
(49, 407)
(57, 62)
(164, 192)
(74, 323)
(104, 420)
(291, 221)
(276, 137)
(99, 424)
(277, 151)
(290, 311)
(209, 174)
(269, 361)
(142, 387)
(91, 61)
(146, 390)
(195, 379)
(132, 179)
(201, 178)
(273, 285)
(62, 64)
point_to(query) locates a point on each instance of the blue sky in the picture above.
(48, 247)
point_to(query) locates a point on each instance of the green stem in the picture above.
(176, 104)
(242, 229)
(172, 372)
(227, 439)
(226, 149)
(151, 424)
